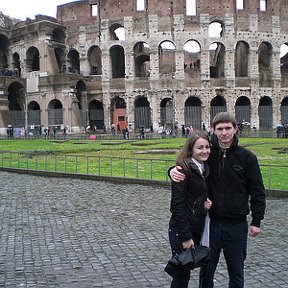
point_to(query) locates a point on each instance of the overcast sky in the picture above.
(22, 9)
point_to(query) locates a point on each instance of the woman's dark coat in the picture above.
(187, 204)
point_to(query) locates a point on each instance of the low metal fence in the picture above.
(153, 169)
(274, 176)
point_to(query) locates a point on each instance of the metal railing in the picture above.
(152, 169)
(274, 176)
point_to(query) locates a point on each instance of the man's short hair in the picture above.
(223, 117)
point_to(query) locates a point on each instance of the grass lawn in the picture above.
(269, 151)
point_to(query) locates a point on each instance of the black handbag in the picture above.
(188, 259)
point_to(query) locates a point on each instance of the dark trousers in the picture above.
(232, 238)
(183, 281)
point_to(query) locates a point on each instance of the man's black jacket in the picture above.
(234, 181)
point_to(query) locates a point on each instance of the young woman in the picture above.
(189, 202)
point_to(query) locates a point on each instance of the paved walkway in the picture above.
(77, 233)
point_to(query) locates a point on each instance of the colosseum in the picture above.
(145, 63)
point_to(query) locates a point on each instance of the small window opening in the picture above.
(140, 5)
(262, 5)
(190, 7)
(94, 10)
(239, 4)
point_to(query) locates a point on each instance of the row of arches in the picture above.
(94, 114)
(70, 61)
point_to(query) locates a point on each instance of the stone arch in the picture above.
(243, 109)
(33, 59)
(142, 113)
(117, 32)
(265, 113)
(4, 45)
(117, 55)
(80, 88)
(192, 112)
(60, 58)
(216, 29)
(16, 104)
(217, 104)
(241, 59)
(284, 111)
(166, 51)
(119, 113)
(34, 112)
(58, 35)
(264, 64)
(16, 65)
(217, 60)
(95, 60)
(141, 59)
(166, 112)
(73, 61)
(284, 60)
(96, 114)
(55, 113)
(192, 56)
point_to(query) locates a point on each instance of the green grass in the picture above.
(269, 151)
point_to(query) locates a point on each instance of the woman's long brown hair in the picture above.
(185, 154)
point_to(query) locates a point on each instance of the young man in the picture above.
(234, 182)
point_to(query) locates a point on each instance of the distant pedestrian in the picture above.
(142, 133)
(88, 130)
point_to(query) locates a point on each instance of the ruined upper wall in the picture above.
(6, 22)
(78, 13)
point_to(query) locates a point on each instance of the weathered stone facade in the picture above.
(164, 68)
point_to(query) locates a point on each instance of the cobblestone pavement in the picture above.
(80, 233)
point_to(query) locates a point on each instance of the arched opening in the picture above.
(33, 59)
(218, 104)
(192, 56)
(264, 64)
(34, 119)
(117, 61)
(80, 87)
(95, 60)
(81, 96)
(166, 113)
(73, 61)
(96, 114)
(284, 64)
(265, 113)
(119, 113)
(55, 113)
(241, 59)
(34, 114)
(192, 113)
(284, 111)
(58, 36)
(243, 110)
(60, 58)
(142, 113)
(16, 65)
(117, 32)
(216, 29)
(4, 45)
(217, 60)
(166, 52)
(16, 100)
(142, 59)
